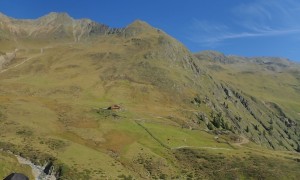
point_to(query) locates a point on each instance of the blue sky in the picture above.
(241, 27)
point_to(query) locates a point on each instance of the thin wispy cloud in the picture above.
(262, 18)
(208, 26)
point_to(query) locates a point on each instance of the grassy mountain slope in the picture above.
(272, 79)
(178, 120)
(271, 82)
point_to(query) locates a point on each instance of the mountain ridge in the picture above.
(215, 55)
(62, 25)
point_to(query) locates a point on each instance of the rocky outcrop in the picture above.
(45, 172)
(5, 59)
(275, 64)
(214, 56)
(54, 25)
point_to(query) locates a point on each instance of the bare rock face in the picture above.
(213, 56)
(136, 28)
(4, 59)
(275, 64)
(53, 25)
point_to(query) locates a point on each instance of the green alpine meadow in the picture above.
(82, 100)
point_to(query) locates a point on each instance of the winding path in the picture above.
(28, 59)
(2, 71)
(175, 148)
(203, 147)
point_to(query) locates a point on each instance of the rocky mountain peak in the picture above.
(139, 24)
(213, 56)
(3, 17)
(138, 27)
(52, 26)
(58, 15)
(53, 17)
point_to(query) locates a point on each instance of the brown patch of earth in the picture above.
(117, 140)
(85, 123)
